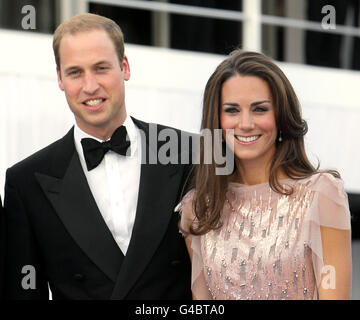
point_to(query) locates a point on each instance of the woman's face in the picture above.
(247, 108)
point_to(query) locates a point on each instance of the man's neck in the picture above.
(102, 133)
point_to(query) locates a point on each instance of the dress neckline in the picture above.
(254, 186)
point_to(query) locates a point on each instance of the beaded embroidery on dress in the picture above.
(269, 245)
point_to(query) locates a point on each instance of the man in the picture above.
(2, 243)
(82, 219)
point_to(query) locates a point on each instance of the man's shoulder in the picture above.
(41, 159)
(160, 127)
(175, 145)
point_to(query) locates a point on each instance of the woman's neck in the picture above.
(252, 174)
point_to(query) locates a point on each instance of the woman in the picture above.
(276, 228)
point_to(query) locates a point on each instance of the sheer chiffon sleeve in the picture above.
(328, 208)
(198, 283)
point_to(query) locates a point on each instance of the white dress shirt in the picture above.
(114, 184)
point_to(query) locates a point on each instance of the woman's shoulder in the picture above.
(186, 200)
(185, 209)
(327, 185)
(322, 181)
(330, 205)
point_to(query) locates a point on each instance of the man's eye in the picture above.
(73, 73)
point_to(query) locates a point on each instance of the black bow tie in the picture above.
(94, 150)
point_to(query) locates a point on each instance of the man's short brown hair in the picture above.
(86, 22)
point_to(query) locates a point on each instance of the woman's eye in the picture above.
(261, 109)
(231, 110)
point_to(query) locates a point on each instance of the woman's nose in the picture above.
(246, 121)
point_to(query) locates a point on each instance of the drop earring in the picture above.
(280, 137)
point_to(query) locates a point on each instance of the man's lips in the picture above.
(93, 102)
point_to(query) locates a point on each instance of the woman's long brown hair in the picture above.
(290, 155)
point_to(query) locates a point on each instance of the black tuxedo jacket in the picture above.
(54, 226)
(2, 249)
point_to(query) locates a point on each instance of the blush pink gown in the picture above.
(269, 245)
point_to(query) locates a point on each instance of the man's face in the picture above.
(93, 81)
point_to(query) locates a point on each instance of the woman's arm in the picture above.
(336, 274)
(190, 251)
(198, 286)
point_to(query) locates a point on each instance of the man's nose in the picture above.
(90, 84)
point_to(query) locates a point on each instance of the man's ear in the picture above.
(61, 86)
(126, 68)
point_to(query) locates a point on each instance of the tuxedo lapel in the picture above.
(152, 218)
(72, 200)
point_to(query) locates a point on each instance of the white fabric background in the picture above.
(166, 86)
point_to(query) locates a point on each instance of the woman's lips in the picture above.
(247, 140)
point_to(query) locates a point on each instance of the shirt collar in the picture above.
(130, 128)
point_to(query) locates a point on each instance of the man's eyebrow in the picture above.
(102, 62)
(71, 68)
